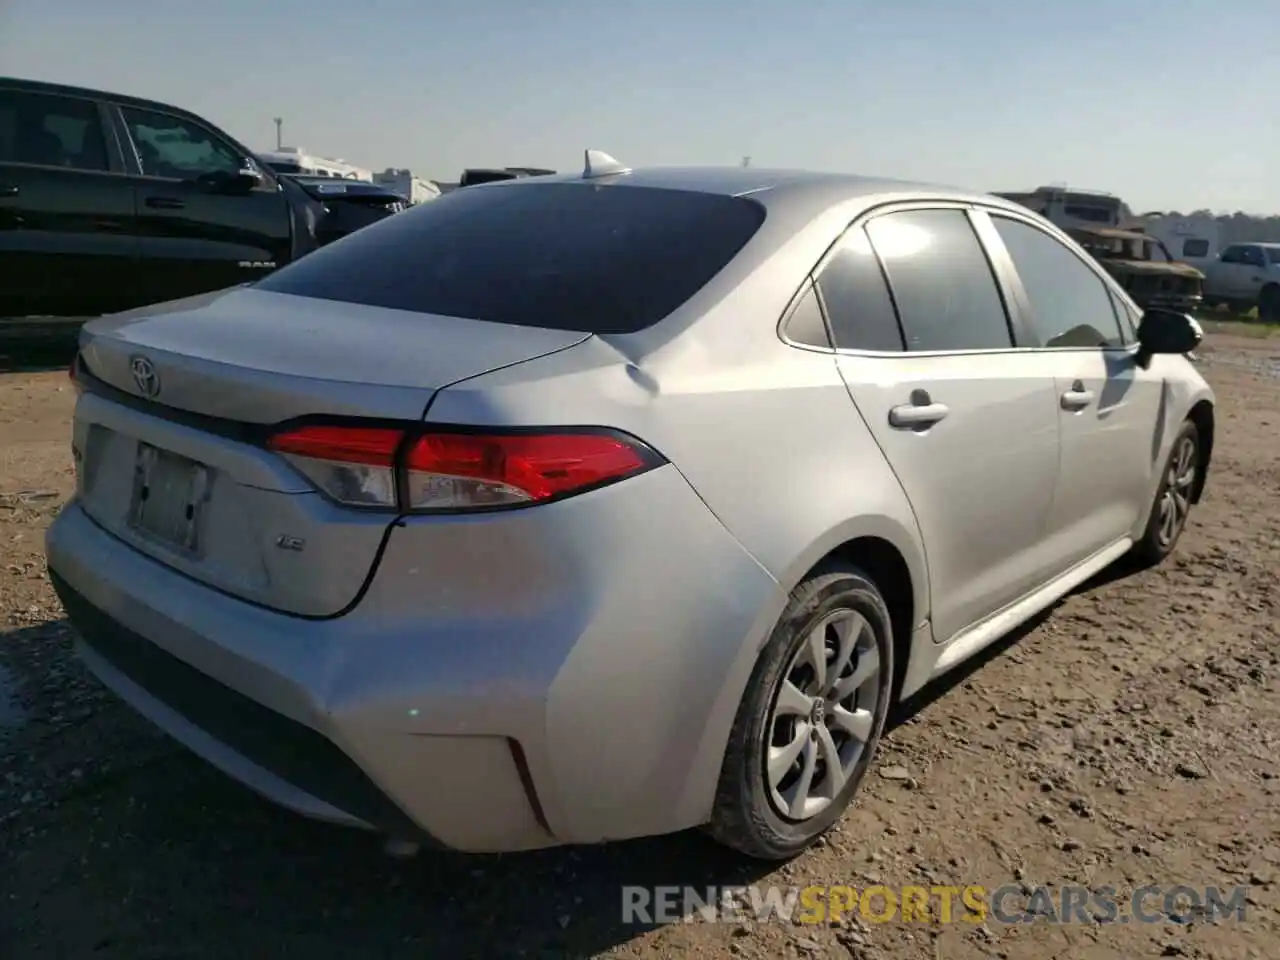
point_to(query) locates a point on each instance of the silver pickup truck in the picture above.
(1246, 275)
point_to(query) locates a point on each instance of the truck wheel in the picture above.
(1269, 303)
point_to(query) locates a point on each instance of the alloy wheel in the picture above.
(1175, 502)
(823, 715)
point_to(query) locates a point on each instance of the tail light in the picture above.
(423, 471)
(353, 465)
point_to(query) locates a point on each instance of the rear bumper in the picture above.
(573, 681)
(279, 757)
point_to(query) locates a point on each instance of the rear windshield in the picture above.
(564, 256)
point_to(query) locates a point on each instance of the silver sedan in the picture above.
(582, 507)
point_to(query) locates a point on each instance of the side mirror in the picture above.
(241, 181)
(1168, 331)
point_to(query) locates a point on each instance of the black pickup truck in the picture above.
(109, 202)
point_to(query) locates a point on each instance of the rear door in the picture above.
(192, 239)
(65, 208)
(968, 422)
(1108, 406)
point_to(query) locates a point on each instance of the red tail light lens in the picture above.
(452, 471)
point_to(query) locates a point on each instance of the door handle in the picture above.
(917, 414)
(1077, 398)
(8, 190)
(165, 203)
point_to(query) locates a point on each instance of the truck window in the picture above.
(1195, 248)
(51, 131)
(177, 149)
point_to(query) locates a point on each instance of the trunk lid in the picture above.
(257, 357)
(199, 495)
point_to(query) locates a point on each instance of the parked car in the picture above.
(476, 175)
(1144, 266)
(570, 509)
(349, 204)
(109, 202)
(1244, 276)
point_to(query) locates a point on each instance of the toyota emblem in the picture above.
(145, 376)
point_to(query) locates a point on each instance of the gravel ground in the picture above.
(1129, 737)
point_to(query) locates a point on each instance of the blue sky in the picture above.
(1169, 104)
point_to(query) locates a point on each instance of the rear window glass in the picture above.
(564, 256)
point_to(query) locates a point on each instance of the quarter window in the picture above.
(941, 281)
(805, 325)
(1129, 318)
(1070, 305)
(51, 131)
(178, 149)
(856, 299)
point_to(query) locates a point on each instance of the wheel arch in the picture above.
(893, 558)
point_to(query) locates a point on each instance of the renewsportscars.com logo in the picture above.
(973, 904)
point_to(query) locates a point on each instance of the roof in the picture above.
(42, 86)
(776, 188)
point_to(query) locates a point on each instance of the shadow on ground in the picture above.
(160, 855)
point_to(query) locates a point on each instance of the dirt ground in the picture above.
(1130, 737)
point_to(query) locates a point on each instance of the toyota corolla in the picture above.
(582, 507)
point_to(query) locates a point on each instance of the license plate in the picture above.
(169, 493)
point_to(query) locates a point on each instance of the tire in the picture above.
(1269, 304)
(1158, 540)
(749, 815)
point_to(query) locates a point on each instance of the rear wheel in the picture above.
(1172, 504)
(812, 716)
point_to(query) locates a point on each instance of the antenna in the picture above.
(597, 163)
(279, 121)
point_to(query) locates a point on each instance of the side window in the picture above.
(1195, 248)
(1252, 256)
(1232, 255)
(857, 301)
(941, 281)
(1070, 305)
(51, 131)
(177, 149)
(805, 324)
